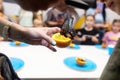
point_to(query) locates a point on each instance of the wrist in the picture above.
(5, 31)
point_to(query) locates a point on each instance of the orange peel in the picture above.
(61, 40)
(80, 61)
(17, 43)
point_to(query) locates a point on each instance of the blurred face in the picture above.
(114, 5)
(89, 21)
(35, 5)
(116, 27)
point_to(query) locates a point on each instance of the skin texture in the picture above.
(34, 36)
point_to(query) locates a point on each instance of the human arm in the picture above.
(34, 36)
(105, 38)
(83, 38)
(95, 39)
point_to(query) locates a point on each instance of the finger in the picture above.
(44, 43)
(41, 42)
(33, 42)
(51, 48)
(53, 30)
(47, 36)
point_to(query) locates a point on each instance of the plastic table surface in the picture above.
(42, 63)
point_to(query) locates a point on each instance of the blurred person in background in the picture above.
(25, 18)
(57, 15)
(101, 19)
(36, 36)
(33, 36)
(99, 10)
(111, 37)
(87, 35)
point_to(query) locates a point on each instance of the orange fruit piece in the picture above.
(61, 40)
(104, 45)
(71, 45)
(80, 61)
(17, 42)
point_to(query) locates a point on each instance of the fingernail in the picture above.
(53, 43)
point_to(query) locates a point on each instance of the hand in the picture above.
(77, 38)
(35, 36)
(42, 36)
(38, 36)
(94, 39)
(97, 10)
(83, 38)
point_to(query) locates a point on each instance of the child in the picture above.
(87, 35)
(111, 37)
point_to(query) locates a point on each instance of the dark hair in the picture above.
(91, 15)
(116, 20)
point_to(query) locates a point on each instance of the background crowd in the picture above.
(92, 26)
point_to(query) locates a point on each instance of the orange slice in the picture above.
(61, 40)
(17, 42)
(80, 61)
(71, 45)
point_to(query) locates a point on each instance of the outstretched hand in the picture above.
(41, 36)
